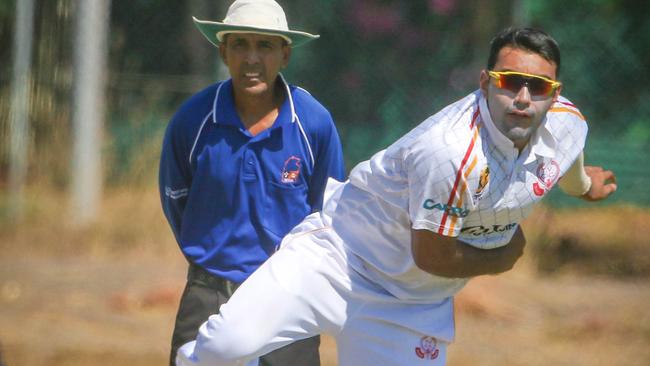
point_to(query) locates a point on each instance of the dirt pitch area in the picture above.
(107, 295)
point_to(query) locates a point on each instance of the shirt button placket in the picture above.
(249, 164)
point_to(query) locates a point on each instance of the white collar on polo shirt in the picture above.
(542, 142)
(287, 89)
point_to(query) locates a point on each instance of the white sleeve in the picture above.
(569, 122)
(575, 181)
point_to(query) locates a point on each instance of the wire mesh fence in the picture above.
(380, 67)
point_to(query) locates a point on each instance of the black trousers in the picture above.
(202, 297)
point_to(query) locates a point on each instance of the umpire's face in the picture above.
(516, 112)
(254, 61)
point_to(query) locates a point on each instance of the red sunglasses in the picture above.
(514, 81)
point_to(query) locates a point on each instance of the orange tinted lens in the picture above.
(536, 86)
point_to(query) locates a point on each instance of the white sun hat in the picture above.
(253, 16)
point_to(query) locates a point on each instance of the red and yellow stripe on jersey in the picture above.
(562, 106)
(461, 178)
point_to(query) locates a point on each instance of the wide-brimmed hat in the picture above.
(253, 16)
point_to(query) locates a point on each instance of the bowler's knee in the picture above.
(219, 345)
(201, 353)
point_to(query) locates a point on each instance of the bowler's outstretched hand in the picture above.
(603, 183)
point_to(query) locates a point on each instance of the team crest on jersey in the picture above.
(428, 349)
(547, 175)
(483, 180)
(291, 170)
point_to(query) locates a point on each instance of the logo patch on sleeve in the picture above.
(547, 174)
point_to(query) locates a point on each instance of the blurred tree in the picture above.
(203, 56)
(50, 90)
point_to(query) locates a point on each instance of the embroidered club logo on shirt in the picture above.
(291, 170)
(484, 179)
(547, 175)
(428, 349)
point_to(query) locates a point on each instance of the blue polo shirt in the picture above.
(230, 197)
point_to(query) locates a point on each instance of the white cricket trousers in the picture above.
(305, 289)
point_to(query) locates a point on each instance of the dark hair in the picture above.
(529, 39)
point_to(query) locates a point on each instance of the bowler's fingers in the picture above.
(607, 178)
(603, 183)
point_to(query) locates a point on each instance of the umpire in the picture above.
(243, 162)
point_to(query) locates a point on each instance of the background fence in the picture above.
(380, 67)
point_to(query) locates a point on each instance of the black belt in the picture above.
(199, 275)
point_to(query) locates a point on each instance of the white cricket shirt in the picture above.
(454, 174)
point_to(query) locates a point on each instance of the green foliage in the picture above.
(606, 69)
(600, 58)
(628, 161)
(7, 8)
(638, 133)
(134, 150)
(6, 39)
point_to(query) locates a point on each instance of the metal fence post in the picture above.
(89, 107)
(20, 102)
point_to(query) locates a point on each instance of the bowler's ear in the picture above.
(484, 82)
